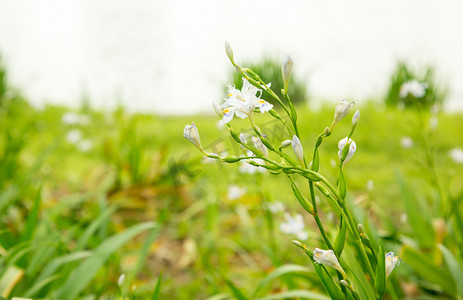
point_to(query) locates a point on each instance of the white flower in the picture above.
(297, 148)
(457, 155)
(74, 136)
(294, 225)
(327, 258)
(121, 280)
(247, 168)
(275, 207)
(229, 51)
(355, 118)
(235, 192)
(406, 142)
(71, 118)
(414, 88)
(260, 146)
(370, 185)
(242, 103)
(243, 138)
(341, 110)
(217, 109)
(352, 148)
(190, 132)
(391, 262)
(85, 145)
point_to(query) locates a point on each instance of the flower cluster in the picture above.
(414, 88)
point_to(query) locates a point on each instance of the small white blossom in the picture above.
(406, 142)
(242, 103)
(235, 192)
(370, 185)
(260, 146)
(121, 280)
(217, 109)
(341, 110)
(457, 155)
(74, 136)
(71, 118)
(85, 145)
(275, 207)
(294, 225)
(285, 144)
(247, 168)
(355, 118)
(229, 51)
(327, 258)
(391, 262)
(297, 148)
(352, 148)
(190, 132)
(413, 87)
(243, 138)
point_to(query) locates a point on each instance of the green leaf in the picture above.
(341, 185)
(340, 238)
(157, 289)
(330, 286)
(236, 292)
(316, 161)
(380, 276)
(303, 294)
(455, 267)
(85, 272)
(278, 272)
(302, 200)
(423, 266)
(93, 227)
(32, 218)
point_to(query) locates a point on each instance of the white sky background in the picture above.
(168, 56)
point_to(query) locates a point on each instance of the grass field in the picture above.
(89, 195)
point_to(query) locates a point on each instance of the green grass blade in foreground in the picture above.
(157, 289)
(142, 255)
(32, 218)
(85, 272)
(455, 267)
(47, 273)
(93, 227)
(423, 266)
(278, 272)
(302, 294)
(330, 286)
(236, 292)
(380, 276)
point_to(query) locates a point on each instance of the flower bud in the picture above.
(344, 283)
(346, 155)
(121, 280)
(355, 118)
(243, 138)
(391, 262)
(297, 243)
(342, 109)
(286, 70)
(217, 109)
(297, 148)
(285, 144)
(229, 51)
(328, 258)
(260, 146)
(191, 133)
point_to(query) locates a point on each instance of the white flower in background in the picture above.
(71, 118)
(74, 136)
(327, 258)
(85, 145)
(352, 148)
(391, 262)
(260, 146)
(121, 280)
(341, 110)
(414, 88)
(406, 142)
(235, 192)
(370, 185)
(297, 148)
(275, 207)
(243, 138)
(433, 122)
(294, 225)
(247, 168)
(457, 155)
(242, 103)
(190, 132)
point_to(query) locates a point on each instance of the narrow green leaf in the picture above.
(316, 161)
(340, 238)
(330, 286)
(341, 185)
(236, 292)
(423, 266)
(302, 294)
(301, 199)
(32, 218)
(380, 276)
(278, 272)
(85, 272)
(157, 289)
(455, 267)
